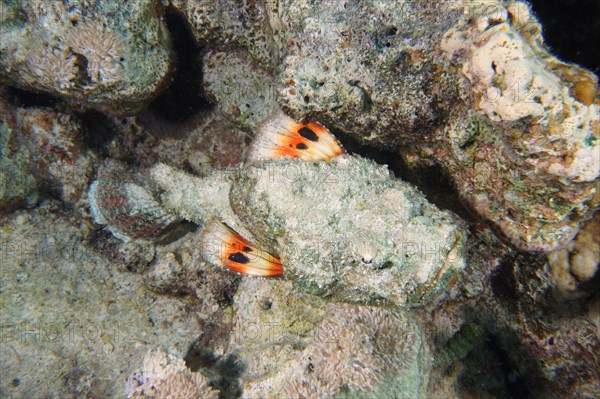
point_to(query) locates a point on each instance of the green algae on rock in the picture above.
(105, 55)
(345, 228)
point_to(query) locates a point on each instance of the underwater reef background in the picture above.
(453, 252)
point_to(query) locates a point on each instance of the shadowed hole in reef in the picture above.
(184, 100)
(432, 180)
(98, 130)
(511, 383)
(223, 371)
(26, 99)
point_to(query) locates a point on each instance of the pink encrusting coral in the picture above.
(165, 376)
(52, 67)
(103, 51)
(356, 348)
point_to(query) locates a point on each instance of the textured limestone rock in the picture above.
(468, 85)
(530, 116)
(552, 341)
(61, 161)
(344, 228)
(245, 92)
(104, 55)
(232, 24)
(43, 150)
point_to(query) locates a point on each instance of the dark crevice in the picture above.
(98, 130)
(26, 99)
(223, 371)
(184, 99)
(515, 384)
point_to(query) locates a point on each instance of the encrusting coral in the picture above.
(51, 68)
(165, 376)
(102, 49)
(577, 264)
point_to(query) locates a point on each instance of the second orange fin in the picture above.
(282, 137)
(224, 247)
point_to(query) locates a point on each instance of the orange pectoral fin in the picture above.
(224, 247)
(281, 137)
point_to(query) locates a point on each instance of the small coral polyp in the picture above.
(358, 348)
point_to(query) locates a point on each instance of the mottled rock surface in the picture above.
(18, 182)
(43, 151)
(297, 345)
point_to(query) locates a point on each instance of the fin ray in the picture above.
(282, 137)
(224, 247)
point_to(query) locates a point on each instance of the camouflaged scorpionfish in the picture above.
(336, 224)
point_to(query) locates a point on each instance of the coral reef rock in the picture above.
(43, 150)
(468, 85)
(245, 92)
(104, 55)
(71, 323)
(18, 181)
(345, 228)
(166, 376)
(60, 157)
(295, 345)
